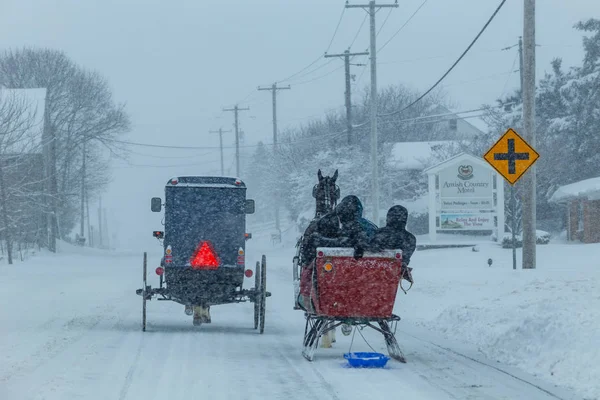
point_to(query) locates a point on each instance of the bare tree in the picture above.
(80, 113)
(17, 138)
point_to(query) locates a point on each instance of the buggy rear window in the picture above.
(206, 201)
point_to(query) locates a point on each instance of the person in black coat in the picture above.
(395, 236)
(343, 227)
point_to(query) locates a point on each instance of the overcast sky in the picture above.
(176, 64)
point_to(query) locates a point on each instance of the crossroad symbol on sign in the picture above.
(511, 156)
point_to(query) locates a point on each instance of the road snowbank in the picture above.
(543, 321)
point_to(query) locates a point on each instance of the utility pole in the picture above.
(100, 244)
(346, 56)
(220, 132)
(236, 109)
(521, 64)
(82, 227)
(87, 213)
(529, 184)
(374, 147)
(106, 235)
(274, 90)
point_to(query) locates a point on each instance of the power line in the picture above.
(384, 21)
(320, 57)
(129, 165)
(305, 139)
(452, 67)
(450, 114)
(403, 25)
(302, 70)
(451, 55)
(162, 146)
(512, 70)
(247, 97)
(312, 71)
(433, 58)
(211, 147)
(443, 115)
(359, 30)
(481, 78)
(320, 77)
(169, 157)
(336, 29)
(312, 138)
(360, 77)
(438, 57)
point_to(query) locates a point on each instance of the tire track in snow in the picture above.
(81, 361)
(284, 348)
(447, 351)
(129, 377)
(331, 392)
(160, 347)
(443, 379)
(58, 344)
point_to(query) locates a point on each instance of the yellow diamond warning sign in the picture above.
(511, 156)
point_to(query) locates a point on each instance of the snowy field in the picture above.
(70, 329)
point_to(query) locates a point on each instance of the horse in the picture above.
(326, 194)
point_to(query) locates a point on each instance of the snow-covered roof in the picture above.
(587, 189)
(467, 126)
(412, 155)
(459, 157)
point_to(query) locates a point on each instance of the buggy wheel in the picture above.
(144, 294)
(257, 297)
(263, 293)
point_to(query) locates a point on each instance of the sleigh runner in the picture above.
(343, 291)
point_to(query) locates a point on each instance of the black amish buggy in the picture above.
(204, 245)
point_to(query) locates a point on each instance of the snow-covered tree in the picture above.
(567, 122)
(323, 144)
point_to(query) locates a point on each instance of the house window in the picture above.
(453, 124)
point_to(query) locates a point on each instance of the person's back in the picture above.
(394, 235)
(319, 232)
(368, 227)
(359, 231)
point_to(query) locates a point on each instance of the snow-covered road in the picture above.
(70, 329)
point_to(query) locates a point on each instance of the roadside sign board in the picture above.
(511, 156)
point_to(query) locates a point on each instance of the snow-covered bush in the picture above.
(542, 237)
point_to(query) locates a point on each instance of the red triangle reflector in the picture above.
(205, 257)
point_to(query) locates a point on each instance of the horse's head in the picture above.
(326, 193)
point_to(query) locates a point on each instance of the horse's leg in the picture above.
(207, 314)
(327, 337)
(201, 314)
(197, 319)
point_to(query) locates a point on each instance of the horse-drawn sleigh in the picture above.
(335, 288)
(204, 249)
